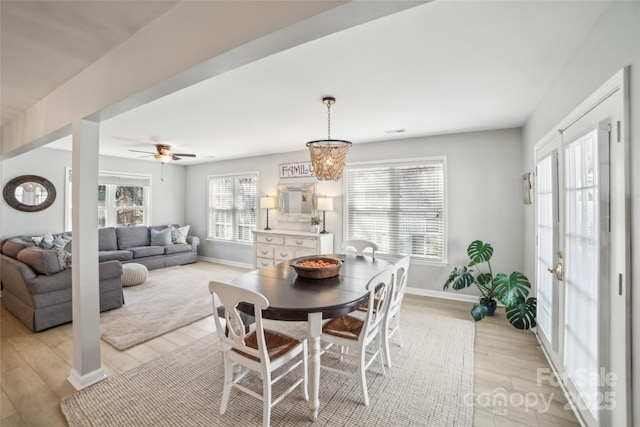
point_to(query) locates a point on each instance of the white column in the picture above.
(87, 369)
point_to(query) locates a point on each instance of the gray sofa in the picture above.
(133, 244)
(37, 284)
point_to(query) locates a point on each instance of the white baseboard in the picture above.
(442, 294)
(225, 262)
(79, 381)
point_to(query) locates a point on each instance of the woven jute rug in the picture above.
(169, 299)
(430, 384)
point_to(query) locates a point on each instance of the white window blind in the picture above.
(123, 199)
(232, 207)
(400, 207)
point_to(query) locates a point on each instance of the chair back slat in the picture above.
(235, 334)
(359, 246)
(380, 288)
(400, 273)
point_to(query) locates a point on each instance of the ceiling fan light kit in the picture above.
(328, 156)
(163, 154)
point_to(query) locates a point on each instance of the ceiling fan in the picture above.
(163, 154)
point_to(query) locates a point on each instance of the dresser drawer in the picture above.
(301, 242)
(305, 252)
(284, 253)
(264, 262)
(273, 240)
(265, 251)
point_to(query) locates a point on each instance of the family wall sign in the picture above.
(296, 170)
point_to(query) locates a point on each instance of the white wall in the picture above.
(613, 44)
(484, 189)
(167, 198)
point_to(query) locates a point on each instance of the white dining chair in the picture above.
(261, 350)
(352, 333)
(392, 318)
(359, 246)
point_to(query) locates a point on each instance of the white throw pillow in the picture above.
(179, 235)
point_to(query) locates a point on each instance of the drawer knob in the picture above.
(283, 255)
(299, 242)
(269, 239)
(264, 252)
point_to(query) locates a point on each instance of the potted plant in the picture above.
(512, 291)
(315, 224)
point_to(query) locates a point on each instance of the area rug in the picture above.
(430, 384)
(169, 299)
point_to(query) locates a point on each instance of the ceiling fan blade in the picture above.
(138, 151)
(174, 157)
(184, 154)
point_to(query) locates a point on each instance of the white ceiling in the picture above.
(442, 67)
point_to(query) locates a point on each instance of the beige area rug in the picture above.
(430, 384)
(169, 299)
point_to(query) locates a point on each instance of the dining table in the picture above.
(295, 298)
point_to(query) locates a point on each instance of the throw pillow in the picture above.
(43, 261)
(61, 241)
(179, 235)
(13, 246)
(45, 241)
(161, 237)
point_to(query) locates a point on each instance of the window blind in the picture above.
(400, 207)
(232, 207)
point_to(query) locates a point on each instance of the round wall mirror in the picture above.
(29, 193)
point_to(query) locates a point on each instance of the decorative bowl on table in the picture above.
(317, 267)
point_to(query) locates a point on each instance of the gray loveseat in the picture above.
(134, 244)
(37, 284)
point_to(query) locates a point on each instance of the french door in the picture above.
(581, 258)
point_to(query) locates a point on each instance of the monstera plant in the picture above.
(512, 291)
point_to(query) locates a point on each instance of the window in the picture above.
(123, 199)
(400, 206)
(232, 207)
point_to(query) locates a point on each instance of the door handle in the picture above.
(557, 271)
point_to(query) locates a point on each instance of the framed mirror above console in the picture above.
(297, 202)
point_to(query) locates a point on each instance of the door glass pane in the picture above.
(545, 198)
(582, 267)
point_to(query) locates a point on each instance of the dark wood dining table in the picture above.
(294, 298)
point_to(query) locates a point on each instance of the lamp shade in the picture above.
(267, 202)
(325, 203)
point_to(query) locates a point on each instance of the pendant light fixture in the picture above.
(328, 156)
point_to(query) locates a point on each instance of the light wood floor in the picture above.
(34, 367)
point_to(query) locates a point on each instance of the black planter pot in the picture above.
(491, 305)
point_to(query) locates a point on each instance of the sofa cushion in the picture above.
(11, 247)
(144, 251)
(160, 237)
(44, 261)
(179, 234)
(132, 237)
(45, 241)
(177, 248)
(114, 256)
(107, 239)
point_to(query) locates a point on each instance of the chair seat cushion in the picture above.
(348, 327)
(365, 306)
(278, 344)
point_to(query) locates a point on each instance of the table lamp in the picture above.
(267, 203)
(324, 204)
